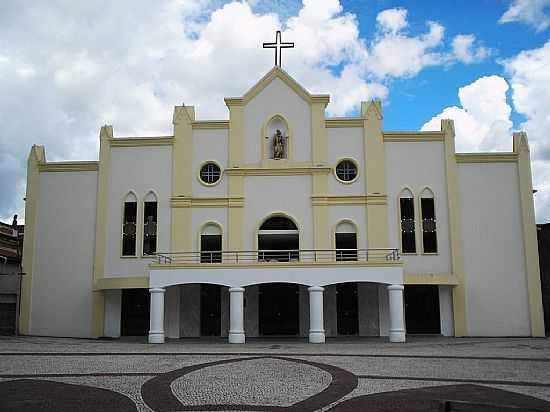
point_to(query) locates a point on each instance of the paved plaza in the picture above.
(52, 374)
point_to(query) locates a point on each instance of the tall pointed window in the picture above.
(129, 219)
(346, 241)
(408, 227)
(429, 227)
(150, 224)
(211, 244)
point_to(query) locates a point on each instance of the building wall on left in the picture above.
(64, 254)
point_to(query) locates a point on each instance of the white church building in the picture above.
(281, 222)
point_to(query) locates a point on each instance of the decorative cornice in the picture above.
(372, 199)
(185, 202)
(414, 136)
(287, 171)
(320, 98)
(141, 141)
(344, 122)
(210, 124)
(486, 157)
(69, 167)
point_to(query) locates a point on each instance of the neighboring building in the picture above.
(543, 232)
(11, 244)
(280, 221)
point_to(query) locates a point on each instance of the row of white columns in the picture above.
(316, 321)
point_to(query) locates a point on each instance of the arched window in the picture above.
(211, 243)
(129, 220)
(150, 224)
(345, 238)
(408, 227)
(278, 240)
(429, 227)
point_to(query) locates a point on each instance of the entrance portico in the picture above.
(315, 269)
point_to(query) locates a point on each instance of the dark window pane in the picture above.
(346, 170)
(346, 246)
(211, 248)
(210, 173)
(429, 228)
(129, 229)
(150, 228)
(278, 223)
(408, 241)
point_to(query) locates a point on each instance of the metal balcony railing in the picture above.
(278, 256)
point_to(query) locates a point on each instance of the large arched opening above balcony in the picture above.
(278, 239)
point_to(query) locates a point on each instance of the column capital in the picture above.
(395, 287)
(315, 289)
(236, 289)
(157, 290)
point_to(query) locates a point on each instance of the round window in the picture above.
(210, 173)
(346, 170)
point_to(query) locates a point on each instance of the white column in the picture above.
(316, 323)
(156, 329)
(236, 315)
(397, 318)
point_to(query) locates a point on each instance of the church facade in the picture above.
(280, 221)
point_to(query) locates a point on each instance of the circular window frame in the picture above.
(199, 177)
(355, 163)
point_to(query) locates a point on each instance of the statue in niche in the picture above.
(279, 143)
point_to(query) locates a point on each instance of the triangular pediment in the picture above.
(277, 73)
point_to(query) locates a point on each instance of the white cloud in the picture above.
(392, 20)
(535, 13)
(464, 50)
(529, 76)
(482, 123)
(68, 67)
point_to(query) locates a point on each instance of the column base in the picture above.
(316, 336)
(397, 336)
(156, 337)
(236, 337)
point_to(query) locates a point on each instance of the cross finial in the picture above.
(278, 45)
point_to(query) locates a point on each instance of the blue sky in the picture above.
(68, 67)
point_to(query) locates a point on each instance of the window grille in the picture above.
(210, 173)
(346, 170)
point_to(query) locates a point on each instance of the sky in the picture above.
(67, 67)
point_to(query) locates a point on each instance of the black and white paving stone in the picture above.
(48, 374)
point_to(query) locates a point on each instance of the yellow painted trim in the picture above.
(414, 136)
(235, 183)
(430, 279)
(198, 174)
(276, 72)
(337, 122)
(37, 156)
(188, 202)
(455, 230)
(213, 266)
(349, 200)
(141, 141)
(272, 171)
(375, 173)
(486, 157)
(105, 135)
(536, 313)
(210, 124)
(68, 167)
(347, 182)
(127, 282)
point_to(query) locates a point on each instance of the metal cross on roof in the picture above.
(278, 45)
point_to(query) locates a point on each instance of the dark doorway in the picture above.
(347, 309)
(134, 319)
(210, 310)
(279, 309)
(422, 309)
(8, 308)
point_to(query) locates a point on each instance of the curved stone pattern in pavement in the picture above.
(29, 395)
(431, 399)
(157, 392)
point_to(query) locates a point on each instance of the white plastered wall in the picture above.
(417, 165)
(268, 194)
(277, 98)
(346, 143)
(64, 254)
(140, 169)
(494, 259)
(209, 144)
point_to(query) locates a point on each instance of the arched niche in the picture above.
(272, 125)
